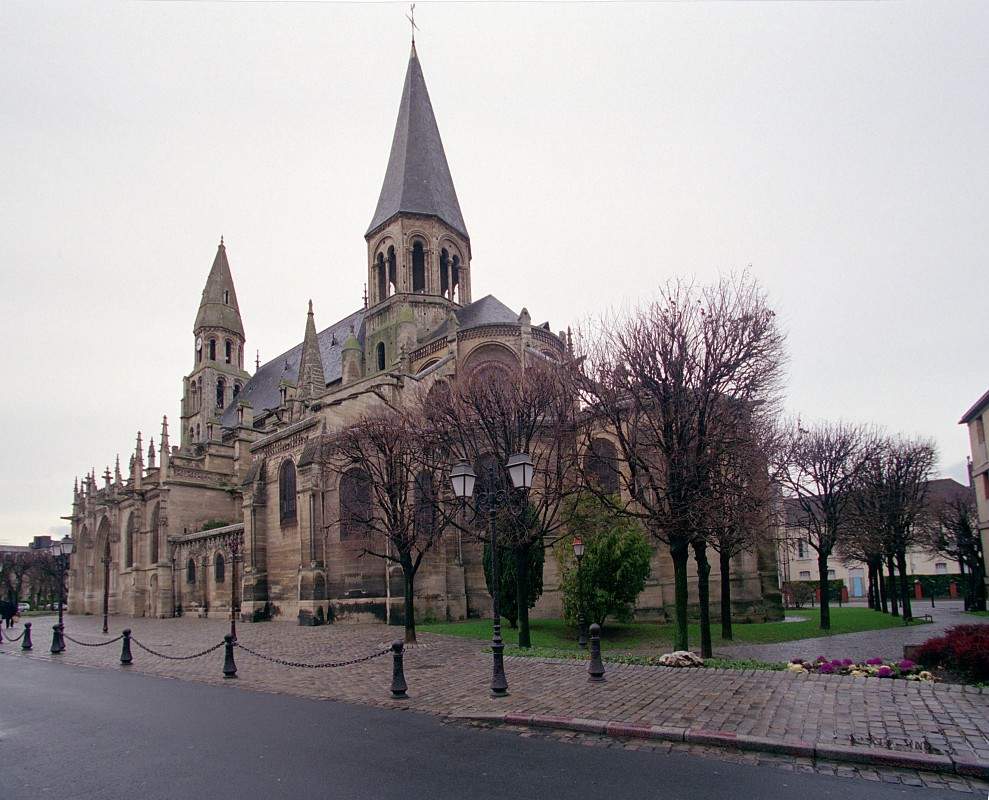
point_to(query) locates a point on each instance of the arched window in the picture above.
(221, 388)
(212, 349)
(199, 431)
(380, 350)
(190, 571)
(286, 491)
(381, 277)
(455, 293)
(129, 540)
(392, 272)
(418, 267)
(236, 390)
(219, 568)
(601, 466)
(228, 351)
(445, 274)
(155, 522)
(425, 500)
(355, 504)
(240, 356)
(226, 297)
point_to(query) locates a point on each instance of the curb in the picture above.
(968, 766)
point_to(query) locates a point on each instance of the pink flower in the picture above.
(847, 662)
(885, 672)
(906, 664)
(874, 662)
(826, 669)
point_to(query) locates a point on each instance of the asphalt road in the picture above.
(70, 732)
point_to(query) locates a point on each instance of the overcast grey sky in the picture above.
(840, 149)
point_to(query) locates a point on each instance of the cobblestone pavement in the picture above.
(887, 643)
(450, 676)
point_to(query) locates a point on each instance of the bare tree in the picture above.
(892, 499)
(496, 412)
(864, 544)
(819, 469)
(665, 382)
(391, 479)
(955, 535)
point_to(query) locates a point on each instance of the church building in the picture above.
(243, 511)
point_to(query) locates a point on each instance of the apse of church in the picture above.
(245, 508)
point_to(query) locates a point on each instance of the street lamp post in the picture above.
(234, 553)
(61, 552)
(106, 585)
(578, 551)
(489, 501)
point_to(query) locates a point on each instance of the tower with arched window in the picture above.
(418, 246)
(218, 372)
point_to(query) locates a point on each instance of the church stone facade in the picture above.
(244, 509)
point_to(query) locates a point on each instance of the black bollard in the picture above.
(595, 668)
(125, 656)
(26, 644)
(58, 644)
(398, 685)
(1, 631)
(229, 667)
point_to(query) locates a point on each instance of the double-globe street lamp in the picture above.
(490, 500)
(61, 551)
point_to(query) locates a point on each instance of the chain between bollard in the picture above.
(90, 644)
(16, 638)
(146, 649)
(304, 665)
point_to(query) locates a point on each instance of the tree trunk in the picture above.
(410, 612)
(881, 587)
(822, 575)
(894, 608)
(680, 554)
(726, 631)
(522, 592)
(901, 565)
(873, 600)
(704, 595)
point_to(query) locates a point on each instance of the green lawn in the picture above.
(978, 613)
(647, 637)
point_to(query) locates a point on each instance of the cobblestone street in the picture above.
(449, 676)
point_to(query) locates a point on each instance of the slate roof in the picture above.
(489, 310)
(212, 310)
(418, 178)
(261, 391)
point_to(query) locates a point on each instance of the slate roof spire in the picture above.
(312, 378)
(218, 307)
(418, 179)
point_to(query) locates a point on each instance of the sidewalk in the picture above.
(940, 727)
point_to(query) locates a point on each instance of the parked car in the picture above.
(22, 607)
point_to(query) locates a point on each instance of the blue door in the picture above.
(858, 590)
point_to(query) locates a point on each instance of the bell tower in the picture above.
(418, 246)
(218, 356)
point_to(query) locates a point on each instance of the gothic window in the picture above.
(418, 267)
(355, 504)
(154, 534)
(199, 431)
(228, 351)
(380, 350)
(219, 568)
(129, 540)
(455, 293)
(221, 388)
(425, 498)
(286, 491)
(240, 356)
(392, 272)
(226, 297)
(381, 276)
(601, 465)
(212, 349)
(236, 390)
(190, 571)
(444, 273)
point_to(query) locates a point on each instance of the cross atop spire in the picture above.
(411, 17)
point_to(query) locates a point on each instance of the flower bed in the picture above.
(963, 650)
(871, 668)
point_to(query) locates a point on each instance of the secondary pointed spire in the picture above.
(312, 377)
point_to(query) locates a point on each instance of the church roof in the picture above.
(213, 311)
(418, 177)
(261, 391)
(489, 310)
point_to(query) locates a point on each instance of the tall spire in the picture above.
(218, 307)
(312, 378)
(418, 179)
